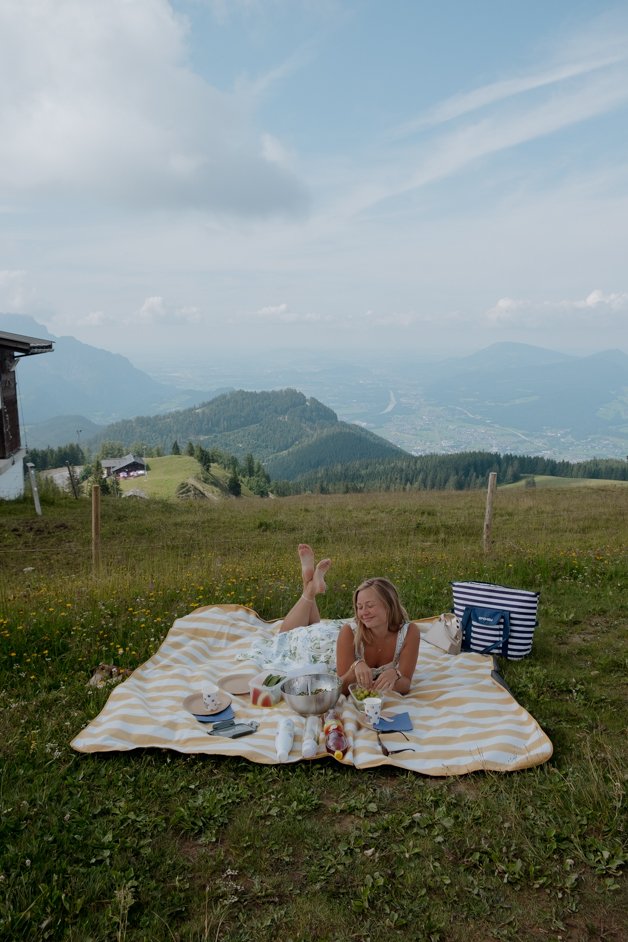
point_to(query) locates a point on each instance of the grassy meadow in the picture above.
(153, 845)
(548, 480)
(166, 473)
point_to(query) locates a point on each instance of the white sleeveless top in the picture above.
(401, 637)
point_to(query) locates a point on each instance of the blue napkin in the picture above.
(226, 714)
(400, 723)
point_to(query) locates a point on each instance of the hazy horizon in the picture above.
(195, 372)
(353, 179)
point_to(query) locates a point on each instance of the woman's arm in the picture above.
(388, 679)
(349, 670)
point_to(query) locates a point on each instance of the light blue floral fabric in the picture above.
(314, 644)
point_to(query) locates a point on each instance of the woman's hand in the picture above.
(363, 674)
(386, 680)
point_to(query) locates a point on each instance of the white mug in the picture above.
(372, 710)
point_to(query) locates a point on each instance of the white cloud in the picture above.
(156, 310)
(597, 309)
(459, 105)
(273, 310)
(281, 314)
(14, 290)
(615, 300)
(589, 80)
(275, 152)
(451, 153)
(506, 310)
(97, 100)
(153, 310)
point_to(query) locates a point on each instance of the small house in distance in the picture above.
(127, 467)
(12, 348)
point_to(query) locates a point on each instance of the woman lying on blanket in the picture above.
(382, 650)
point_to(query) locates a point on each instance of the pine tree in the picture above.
(233, 484)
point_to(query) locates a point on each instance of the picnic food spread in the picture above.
(362, 693)
(265, 689)
(336, 742)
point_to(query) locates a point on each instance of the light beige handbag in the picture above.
(443, 632)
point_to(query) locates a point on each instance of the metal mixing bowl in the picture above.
(297, 692)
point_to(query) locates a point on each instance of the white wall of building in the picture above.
(12, 477)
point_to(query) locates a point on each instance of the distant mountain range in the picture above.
(506, 398)
(530, 389)
(509, 397)
(78, 386)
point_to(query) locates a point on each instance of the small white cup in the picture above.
(372, 710)
(210, 698)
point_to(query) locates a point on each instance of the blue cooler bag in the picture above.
(496, 619)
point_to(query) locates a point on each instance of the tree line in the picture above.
(461, 471)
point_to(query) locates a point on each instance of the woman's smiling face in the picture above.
(370, 609)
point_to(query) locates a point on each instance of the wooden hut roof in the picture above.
(21, 345)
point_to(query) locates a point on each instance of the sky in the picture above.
(239, 178)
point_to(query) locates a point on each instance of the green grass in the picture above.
(155, 845)
(165, 474)
(547, 480)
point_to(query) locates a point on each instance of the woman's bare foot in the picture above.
(306, 554)
(318, 584)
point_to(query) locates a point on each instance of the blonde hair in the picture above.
(396, 613)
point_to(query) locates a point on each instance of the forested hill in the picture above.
(290, 433)
(460, 471)
(340, 444)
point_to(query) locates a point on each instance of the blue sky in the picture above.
(241, 177)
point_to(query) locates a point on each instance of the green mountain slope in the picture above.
(290, 433)
(337, 445)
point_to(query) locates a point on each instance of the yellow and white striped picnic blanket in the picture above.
(463, 719)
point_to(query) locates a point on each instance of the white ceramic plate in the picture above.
(194, 703)
(236, 684)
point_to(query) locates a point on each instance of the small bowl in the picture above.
(298, 692)
(261, 695)
(359, 704)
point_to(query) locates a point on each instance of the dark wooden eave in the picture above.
(23, 346)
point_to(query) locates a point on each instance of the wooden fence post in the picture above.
(34, 490)
(96, 528)
(72, 479)
(488, 516)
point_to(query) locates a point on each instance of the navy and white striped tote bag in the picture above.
(496, 619)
